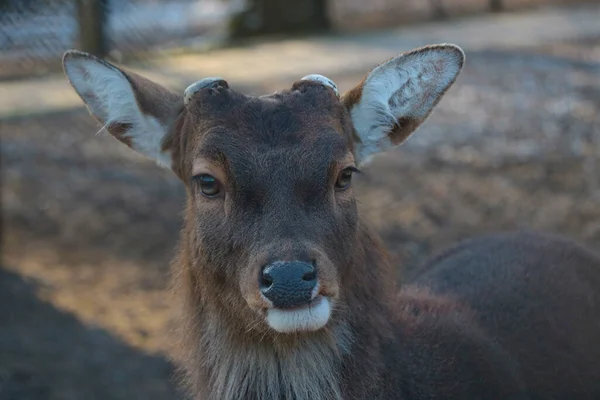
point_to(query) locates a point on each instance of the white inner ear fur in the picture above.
(110, 97)
(408, 86)
(323, 80)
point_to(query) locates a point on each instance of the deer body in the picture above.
(508, 316)
(287, 294)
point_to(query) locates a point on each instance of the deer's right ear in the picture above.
(398, 95)
(136, 111)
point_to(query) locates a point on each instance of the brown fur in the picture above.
(424, 343)
(501, 317)
(119, 131)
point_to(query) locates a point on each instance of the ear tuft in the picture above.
(398, 95)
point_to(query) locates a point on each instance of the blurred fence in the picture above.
(34, 33)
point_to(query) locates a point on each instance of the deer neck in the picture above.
(223, 362)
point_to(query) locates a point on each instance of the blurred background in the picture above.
(89, 228)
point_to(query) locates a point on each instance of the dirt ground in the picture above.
(89, 228)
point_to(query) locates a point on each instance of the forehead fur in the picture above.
(309, 114)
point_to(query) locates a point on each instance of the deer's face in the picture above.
(269, 182)
(271, 221)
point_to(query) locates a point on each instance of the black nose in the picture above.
(288, 283)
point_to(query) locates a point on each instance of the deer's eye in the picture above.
(344, 179)
(209, 186)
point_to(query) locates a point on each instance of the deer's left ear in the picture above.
(398, 95)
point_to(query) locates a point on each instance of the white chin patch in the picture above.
(311, 317)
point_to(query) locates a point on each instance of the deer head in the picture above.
(271, 223)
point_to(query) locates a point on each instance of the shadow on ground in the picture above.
(49, 354)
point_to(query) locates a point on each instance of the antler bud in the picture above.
(206, 83)
(323, 81)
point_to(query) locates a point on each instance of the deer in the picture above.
(285, 292)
